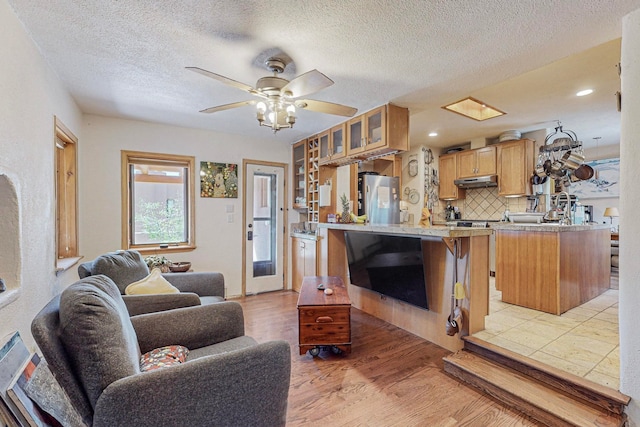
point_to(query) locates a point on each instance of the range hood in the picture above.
(477, 182)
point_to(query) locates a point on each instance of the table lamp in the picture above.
(611, 212)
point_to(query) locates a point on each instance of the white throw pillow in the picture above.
(154, 283)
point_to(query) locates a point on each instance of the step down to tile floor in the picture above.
(517, 382)
(597, 394)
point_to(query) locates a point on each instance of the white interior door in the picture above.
(264, 231)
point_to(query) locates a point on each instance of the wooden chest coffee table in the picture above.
(324, 320)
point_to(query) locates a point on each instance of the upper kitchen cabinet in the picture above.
(381, 131)
(325, 147)
(338, 136)
(478, 162)
(515, 165)
(332, 149)
(299, 175)
(448, 169)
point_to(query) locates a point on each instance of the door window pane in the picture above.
(264, 241)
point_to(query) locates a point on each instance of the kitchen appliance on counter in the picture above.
(451, 213)
(588, 213)
(473, 223)
(381, 199)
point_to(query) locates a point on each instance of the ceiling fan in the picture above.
(279, 96)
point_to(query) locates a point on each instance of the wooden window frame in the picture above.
(66, 195)
(129, 157)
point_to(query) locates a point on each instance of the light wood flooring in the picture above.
(583, 341)
(391, 377)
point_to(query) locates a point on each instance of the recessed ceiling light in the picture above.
(474, 109)
(585, 92)
(432, 134)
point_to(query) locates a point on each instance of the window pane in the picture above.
(159, 203)
(264, 249)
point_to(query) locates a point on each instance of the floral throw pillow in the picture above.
(163, 357)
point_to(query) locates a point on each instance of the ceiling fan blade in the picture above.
(228, 106)
(326, 107)
(222, 79)
(307, 83)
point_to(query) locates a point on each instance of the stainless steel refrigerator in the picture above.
(382, 199)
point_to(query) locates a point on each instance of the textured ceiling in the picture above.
(128, 58)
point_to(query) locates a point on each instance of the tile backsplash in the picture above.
(484, 203)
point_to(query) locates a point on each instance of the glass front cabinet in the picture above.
(299, 175)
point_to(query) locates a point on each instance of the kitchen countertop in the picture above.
(308, 236)
(415, 230)
(546, 226)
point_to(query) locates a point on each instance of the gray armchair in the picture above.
(93, 349)
(126, 267)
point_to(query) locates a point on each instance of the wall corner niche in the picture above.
(10, 241)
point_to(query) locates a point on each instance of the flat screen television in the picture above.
(389, 265)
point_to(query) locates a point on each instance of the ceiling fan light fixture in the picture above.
(291, 114)
(278, 108)
(474, 109)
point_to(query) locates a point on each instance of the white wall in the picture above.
(629, 225)
(219, 243)
(31, 95)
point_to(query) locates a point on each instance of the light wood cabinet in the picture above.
(515, 166)
(374, 136)
(552, 271)
(325, 147)
(448, 170)
(338, 137)
(381, 131)
(303, 260)
(478, 162)
(299, 187)
(332, 148)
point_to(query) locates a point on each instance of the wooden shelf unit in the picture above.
(313, 176)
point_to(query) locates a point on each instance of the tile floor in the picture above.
(582, 341)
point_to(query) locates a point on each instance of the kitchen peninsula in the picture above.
(438, 264)
(550, 267)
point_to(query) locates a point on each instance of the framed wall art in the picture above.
(604, 183)
(218, 180)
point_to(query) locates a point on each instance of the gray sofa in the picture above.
(126, 267)
(93, 349)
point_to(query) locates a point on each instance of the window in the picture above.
(157, 200)
(66, 194)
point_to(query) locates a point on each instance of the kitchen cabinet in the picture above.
(325, 147)
(381, 131)
(332, 148)
(303, 260)
(478, 162)
(515, 166)
(448, 170)
(338, 137)
(299, 187)
(551, 268)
